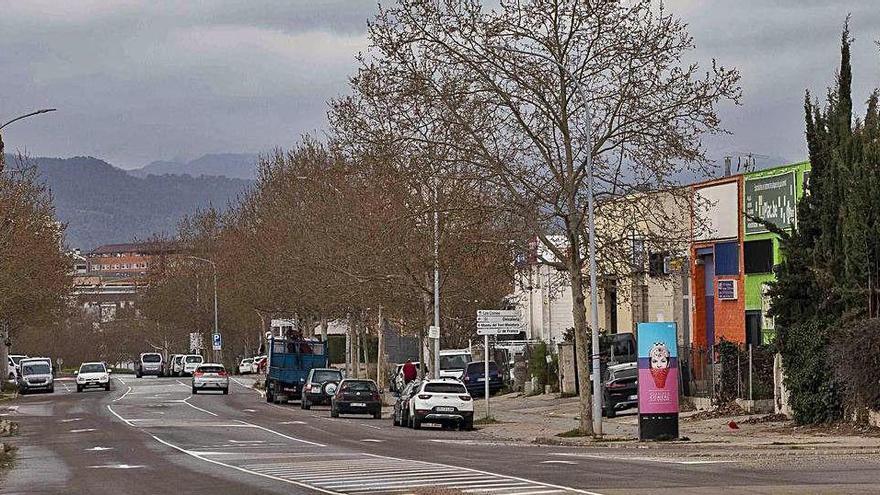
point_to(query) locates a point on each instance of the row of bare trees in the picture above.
(495, 117)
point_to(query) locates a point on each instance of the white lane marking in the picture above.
(243, 470)
(118, 416)
(70, 420)
(374, 440)
(292, 423)
(248, 410)
(282, 435)
(570, 463)
(98, 449)
(516, 478)
(66, 388)
(370, 426)
(252, 389)
(123, 395)
(197, 407)
(121, 380)
(185, 385)
(247, 441)
(117, 466)
(83, 430)
(660, 460)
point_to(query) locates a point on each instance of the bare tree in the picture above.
(507, 85)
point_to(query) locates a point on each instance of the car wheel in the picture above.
(305, 404)
(107, 387)
(226, 391)
(137, 375)
(394, 420)
(11, 377)
(195, 391)
(334, 413)
(468, 425)
(416, 423)
(377, 415)
(52, 390)
(79, 389)
(268, 396)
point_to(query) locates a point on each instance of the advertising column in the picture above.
(658, 381)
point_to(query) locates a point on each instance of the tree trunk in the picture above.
(324, 329)
(581, 342)
(4, 351)
(348, 355)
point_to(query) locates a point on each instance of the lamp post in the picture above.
(591, 225)
(214, 266)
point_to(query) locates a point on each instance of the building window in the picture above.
(727, 258)
(657, 264)
(758, 256)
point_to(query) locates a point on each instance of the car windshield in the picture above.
(445, 388)
(247, 361)
(17, 359)
(36, 369)
(92, 368)
(359, 387)
(194, 359)
(454, 362)
(326, 376)
(210, 369)
(151, 358)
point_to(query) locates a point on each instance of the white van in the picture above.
(453, 362)
(12, 365)
(36, 375)
(190, 363)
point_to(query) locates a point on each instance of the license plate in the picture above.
(633, 397)
(358, 404)
(445, 409)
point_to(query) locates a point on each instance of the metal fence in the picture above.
(727, 371)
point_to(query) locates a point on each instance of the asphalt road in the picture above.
(152, 436)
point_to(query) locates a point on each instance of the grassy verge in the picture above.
(487, 421)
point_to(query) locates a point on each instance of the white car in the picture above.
(453, 362)
(92, 375)
(443, 401)
(210, 376)
(190, 362)
(12, 366)
(246, 366)
(36, 375)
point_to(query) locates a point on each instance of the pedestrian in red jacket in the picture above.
(409, 371)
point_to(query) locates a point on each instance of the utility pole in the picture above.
(436, 278)
(216, 314)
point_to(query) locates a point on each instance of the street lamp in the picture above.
(214, 266)
(591, 221)
(20, 117)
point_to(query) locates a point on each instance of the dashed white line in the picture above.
(123, 395)
(370, 426)
(83, 430)
(197, 407)
(282, 435)
(117, 466)
(118, 416)
(372, 440)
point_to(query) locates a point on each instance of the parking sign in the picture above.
(217, 341)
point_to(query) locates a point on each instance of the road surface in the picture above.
(150, 435)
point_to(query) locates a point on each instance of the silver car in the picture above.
(36, 374)
(210, 376)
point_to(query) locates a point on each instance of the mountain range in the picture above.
(232, 165)
(103, 204)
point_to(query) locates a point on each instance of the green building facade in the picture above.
(770, 194)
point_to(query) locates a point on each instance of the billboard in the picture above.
(772, 199)
(658, 368)
(716, 212)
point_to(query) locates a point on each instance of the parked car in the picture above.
(356, 396)
(445, 401)
(261, 363)
(92, 375)
(189, 364)
(621, 388)
(400, 416)
(169, 366)
(210, 376)
(177, 365)
(397, 381)
(150, 363)
(474, 378)
(12, 365)
(246, 366)
(321, 385)
(36, 375)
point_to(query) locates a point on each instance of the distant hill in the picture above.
(103, 204)
(232, 165)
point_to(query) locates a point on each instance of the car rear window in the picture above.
(478, 367)
(211, 369)
(151, 358)
(360, 386)
(194, 359)
(445, 388)
(326, 376)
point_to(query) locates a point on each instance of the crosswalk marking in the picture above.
(366, 474)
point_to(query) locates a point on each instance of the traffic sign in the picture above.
(498, 322)
(217, 341)
(433, 332)
(489, 313)
(195, 341)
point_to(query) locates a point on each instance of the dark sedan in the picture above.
(621, 388)
(474, 378)
(356, 397)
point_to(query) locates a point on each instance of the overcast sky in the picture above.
(143, 80)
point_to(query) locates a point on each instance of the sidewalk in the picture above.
(540, 418)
